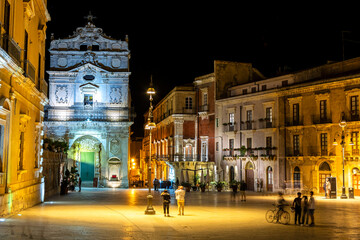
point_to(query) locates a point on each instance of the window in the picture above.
(268, 145)
(26, 47)
(88, 100)
(231, 147)
(296, 177)
(21, 153)
(323, 143)
(296, 116)
(248, 119)
(253, 89)
(217, 146)
(355, 139)
(263, 88)
(6, 23)
(205, 99)
(354, 107)
(244, 91)
(296, 145)
(231, 121)
(39, 69)
(188, 103)
(324, 166)
(204, 151)
(249, 145)
(269, 116)
(217, 122)
(95, 48)
(322, 110)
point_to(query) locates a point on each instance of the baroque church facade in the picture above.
(89, 103)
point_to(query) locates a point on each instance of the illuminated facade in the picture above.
(23, 94)
(89, 103)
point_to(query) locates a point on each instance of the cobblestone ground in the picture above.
(119, 214)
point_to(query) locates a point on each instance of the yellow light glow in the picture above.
(132, 160)
(134, 164)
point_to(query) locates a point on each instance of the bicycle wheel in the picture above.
(284, 217)
(270, 216)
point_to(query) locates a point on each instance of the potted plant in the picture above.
(219, 185)
(202, 186)
(242, 150)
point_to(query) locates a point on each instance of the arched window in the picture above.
(324, 167)
(296, 177)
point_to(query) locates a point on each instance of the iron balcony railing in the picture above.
(230, 128)
(30, 71)
(204, 108)
(12, 48)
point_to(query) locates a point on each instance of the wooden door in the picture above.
(269, 179)
(356, 184)
(87, 166)
(250, 179)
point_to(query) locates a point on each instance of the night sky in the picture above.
(177, 42)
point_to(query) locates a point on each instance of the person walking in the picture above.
(328, 188)
(166, 202)
(180, 197)
(305, 214)
(242, 191)
(297, 206)
(312, 208)
(155, 184)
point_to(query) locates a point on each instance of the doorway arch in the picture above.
(324, 172)
(232, 174)
(249, 176)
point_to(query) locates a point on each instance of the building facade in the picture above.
(89, 103)
(23, 94)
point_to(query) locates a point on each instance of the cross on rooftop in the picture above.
(90, 17)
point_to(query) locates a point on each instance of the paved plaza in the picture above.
(119, 214)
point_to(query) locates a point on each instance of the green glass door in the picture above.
(87, 166)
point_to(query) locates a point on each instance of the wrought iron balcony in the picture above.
(12, 48)
(204, 108)
(30, 71)
(230, 127)
(248, 125)
(265, 123)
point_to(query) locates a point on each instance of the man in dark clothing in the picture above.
(297, 205)
(79, 184)
(166, 202)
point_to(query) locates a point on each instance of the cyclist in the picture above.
(280, 204)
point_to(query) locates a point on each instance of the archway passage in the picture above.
(269, 179)
(249, 171)
(87, 166)
(324, 172)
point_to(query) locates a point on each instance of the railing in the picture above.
(188, 111)
(88, 115)
(294, 123)
(230, 128)
(204, 108)
(265, 123)
(11, 47)
(293, 152)
(248, 125)
(321, 120)
(30, 71)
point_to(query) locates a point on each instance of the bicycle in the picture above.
(280, 215)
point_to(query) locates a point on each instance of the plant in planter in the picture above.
(219, 185)
(202, 186)
(242, 150)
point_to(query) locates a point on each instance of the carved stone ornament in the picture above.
(115, 95)
(114, 146)
(62, 62)
(116, 62)
(61, 94)
(88, 144)
(89, 57)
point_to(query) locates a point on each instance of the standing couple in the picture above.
(180, 197)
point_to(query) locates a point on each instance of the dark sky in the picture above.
(177, 42)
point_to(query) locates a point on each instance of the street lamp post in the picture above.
(342, 124)
(149, 126)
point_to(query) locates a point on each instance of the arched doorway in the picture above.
(86, 151)
(356, 181)
(324, 172)
(249, 175)
(232, 174)
(269, 179)
(296, 177)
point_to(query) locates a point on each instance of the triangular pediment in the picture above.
(88, 68)
(89, 85)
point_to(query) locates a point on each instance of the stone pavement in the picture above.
(119, 214)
